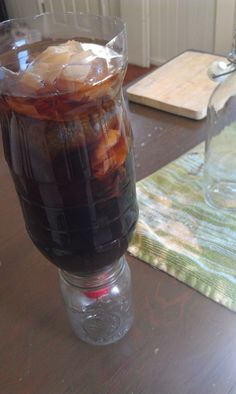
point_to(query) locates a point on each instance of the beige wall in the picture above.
(177, 25)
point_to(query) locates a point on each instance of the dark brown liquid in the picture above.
(73, 175)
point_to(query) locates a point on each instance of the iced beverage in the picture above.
(67, 141)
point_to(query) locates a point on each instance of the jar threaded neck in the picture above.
(95, 279)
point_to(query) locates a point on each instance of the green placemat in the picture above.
(180, 234)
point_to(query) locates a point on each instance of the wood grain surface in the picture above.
(180, 86)
(180, 343)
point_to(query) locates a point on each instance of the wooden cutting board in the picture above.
(180, 86)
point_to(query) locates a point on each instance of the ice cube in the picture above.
(67, 67)
(33, 78)
(73, 46)
(59, 54)
(49, 64)
(84, 57)
(54, 55)
(78, 68)
(99, 70)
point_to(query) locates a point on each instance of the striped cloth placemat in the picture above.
(180, 234)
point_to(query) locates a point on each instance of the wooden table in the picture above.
(181, 342)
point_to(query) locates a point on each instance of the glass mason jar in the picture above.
(67, 138)
(220, 151)
(99, 305)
